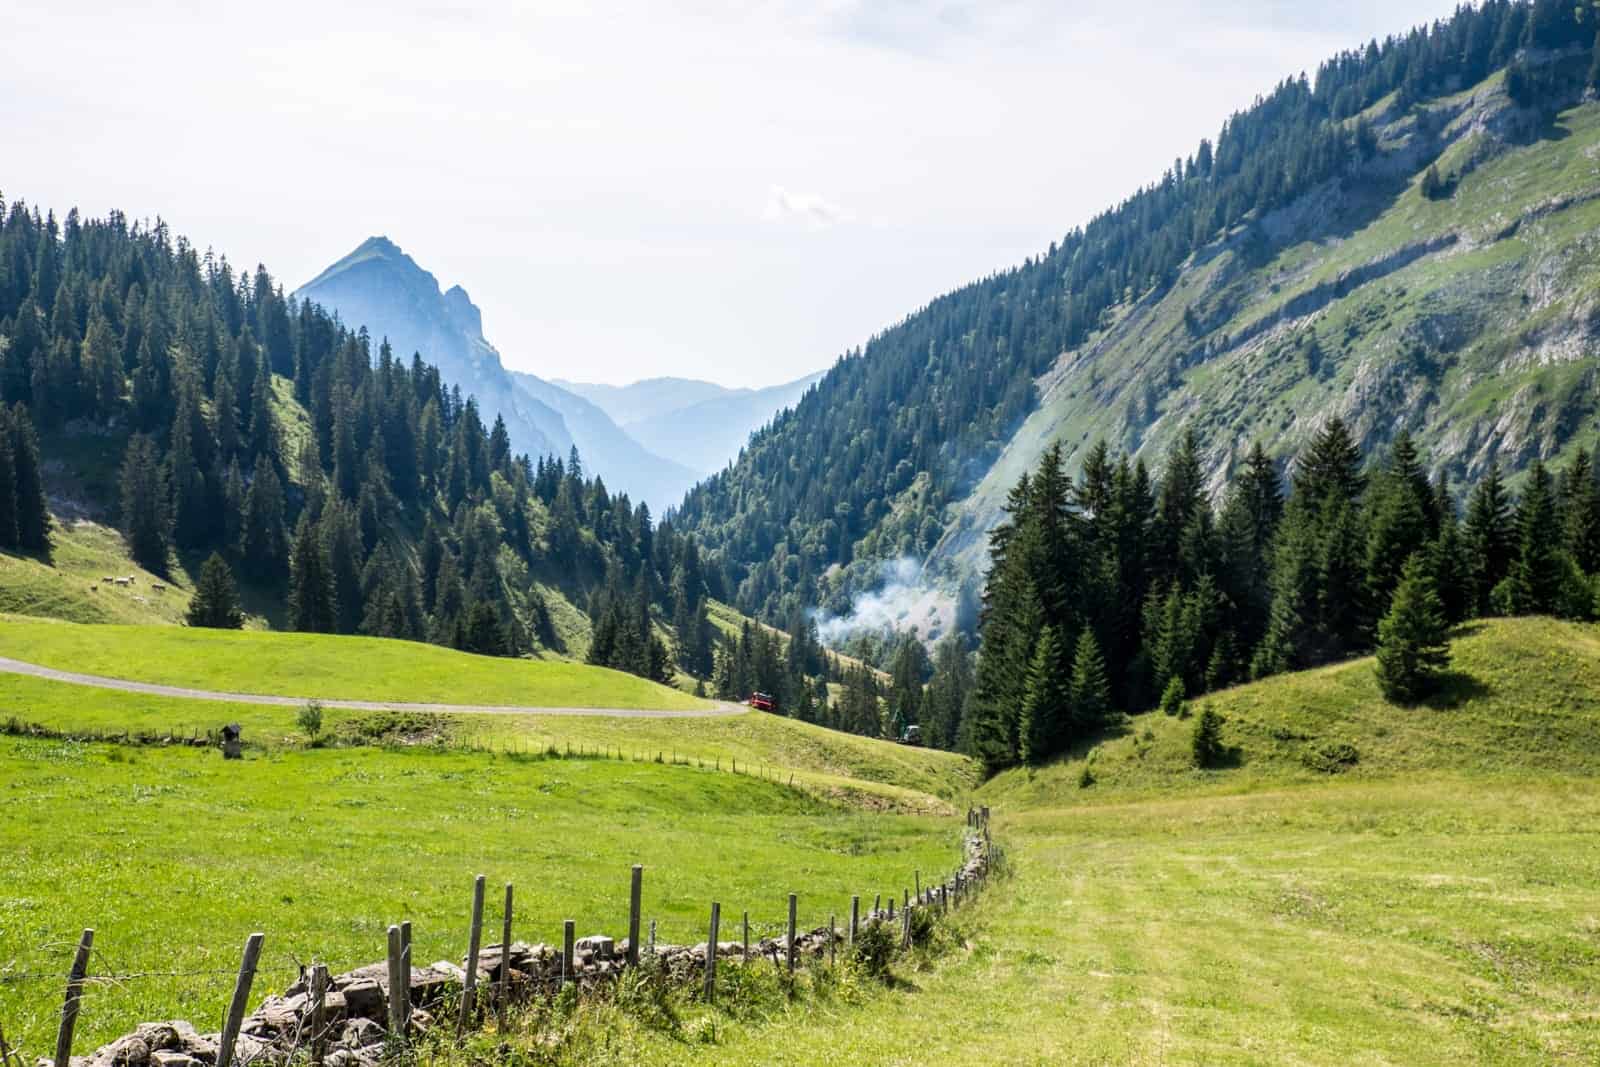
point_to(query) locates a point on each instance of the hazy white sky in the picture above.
(693, 187)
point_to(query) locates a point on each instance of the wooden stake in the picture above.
(833, 939)
(504, 1001)
(319, 1013)
(793, 907)
(399, 985)
(241, 997)
(405, 965)
(747, 937)
(635, 900)
(569, 937)
(69, 1009)
(469, 991)
(855, 919)
(711, 952)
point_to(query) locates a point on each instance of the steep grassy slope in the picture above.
(1470, 319)
(69, 587)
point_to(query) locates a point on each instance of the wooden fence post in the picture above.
(69, 1008)
(652, 937)
(711, 952)
(399, 986)
(319, 1013)
(855, 919)
(635, 900)
(569, 936)
(833, 939)
(747, 937)
(405, 962)
(241, 997)
(917, 878)
(504, 1001)
(469, 989)
(793, 905)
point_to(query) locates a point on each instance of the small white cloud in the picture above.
(812, 210)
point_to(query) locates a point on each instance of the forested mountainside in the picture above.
(203, 412)
(1402, 239)
(381, 288)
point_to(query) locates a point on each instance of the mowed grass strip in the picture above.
(1447, 920)
(327, 667)
(173, 856)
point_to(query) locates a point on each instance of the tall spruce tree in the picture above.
(1412, 638)
(312, 607)
(1047, 703)
(215, 603)
(146, 522)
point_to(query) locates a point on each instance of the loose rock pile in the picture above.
(356, 1006)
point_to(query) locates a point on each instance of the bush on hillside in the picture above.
(1209, 751)
(874, 947)
(1172, 697)
(310, 719)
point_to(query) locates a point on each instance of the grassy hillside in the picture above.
(320, 665)
(69, 586)
(174, 856)
(1523, 697)
(1433, 903)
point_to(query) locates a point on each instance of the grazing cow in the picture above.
(94, 589)
(124, 581)
(108, 579)
(157, 587)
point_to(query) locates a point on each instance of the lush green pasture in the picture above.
(173, 856)
(1441, 921)
(821, 759)
(320, 665)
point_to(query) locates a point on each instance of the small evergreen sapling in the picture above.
(1209, 751)
(1412, 649)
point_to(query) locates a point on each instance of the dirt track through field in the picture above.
(16, 666)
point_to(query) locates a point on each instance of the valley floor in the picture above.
(1451, 920)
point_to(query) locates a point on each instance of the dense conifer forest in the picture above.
(1122, 592)
(352, 489)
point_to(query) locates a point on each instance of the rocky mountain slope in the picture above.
(380, 287)
(1406, 240)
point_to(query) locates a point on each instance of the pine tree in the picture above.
(264, 543)
(1490, 538)
(215, 602)
(1047, 703)
(311, 601)
(1412, 638)
(146, 523)
(33, 512)
(1206, 742)
(1536, 577)
(8, 490)
(1090, 693)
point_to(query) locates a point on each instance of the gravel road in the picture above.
(16, 666)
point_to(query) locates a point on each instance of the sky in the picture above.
(732, 191)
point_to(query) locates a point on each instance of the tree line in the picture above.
(1119, 591)
(348, 488)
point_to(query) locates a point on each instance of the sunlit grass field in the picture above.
(174, 855)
